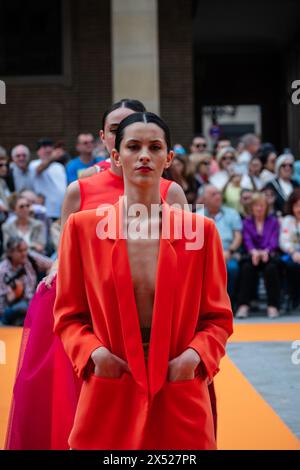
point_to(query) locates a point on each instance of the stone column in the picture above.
(135, 61)
(176, 68)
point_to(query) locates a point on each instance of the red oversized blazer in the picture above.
(95, 306)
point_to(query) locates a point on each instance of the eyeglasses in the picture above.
(287, 165)
(21, 206)
(86, 142)
(3, 164)
(205, 163)
(200, 145)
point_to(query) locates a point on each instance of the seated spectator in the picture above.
(201, 172)
(269, 193)
(252, 180)
(18, 280)
(24, 226)
(268, 156)
(226, 160)
(49, 177)
(37, 205)
(245, 202)
(219, 145)
(85, 147)
(251, 144)
(195, 158)
(229, 226)
(240, 147)
(283, 184)
(178, 172)
(199, 144)
(4, 191)
(22, 175)
(39, 212)
(232, 192)
(260, 238)
(290, 244)
(8, 176)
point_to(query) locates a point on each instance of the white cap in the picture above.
(284, 157)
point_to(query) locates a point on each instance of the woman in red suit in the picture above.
(144, 321)
(46, 390)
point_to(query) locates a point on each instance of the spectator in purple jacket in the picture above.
(261, 241)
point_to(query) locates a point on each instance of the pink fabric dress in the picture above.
(44, 402)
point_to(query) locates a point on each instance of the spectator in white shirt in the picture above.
(22, 175)
(253, 180)
(268, 157)
(251, 145)
(283, 184)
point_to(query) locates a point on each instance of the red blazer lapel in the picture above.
(166, 284)
(162, 316)
(128, 313)
(126, 300)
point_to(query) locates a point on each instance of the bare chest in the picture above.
(143, 257)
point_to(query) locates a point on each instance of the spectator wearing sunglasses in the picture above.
(85, 147)
(32, 231)
(199, 144)
(22, 175)
(283, 185)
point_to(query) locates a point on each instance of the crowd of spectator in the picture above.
(32, 189)
(251, 192)
(253, 195)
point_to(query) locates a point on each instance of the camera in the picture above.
(10, 279)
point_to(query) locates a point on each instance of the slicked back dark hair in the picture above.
(146, 118)
(134, 105)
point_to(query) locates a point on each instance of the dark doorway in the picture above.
(240, 51)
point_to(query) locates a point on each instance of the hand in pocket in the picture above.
(183, 367)
(107, 364)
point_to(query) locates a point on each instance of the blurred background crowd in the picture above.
(250, 190)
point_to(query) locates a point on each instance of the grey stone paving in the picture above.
(259, 317)
(268, 367)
